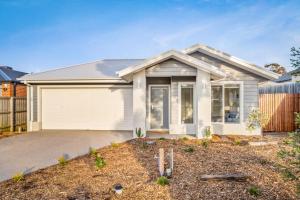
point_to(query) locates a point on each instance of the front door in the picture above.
(159, 107)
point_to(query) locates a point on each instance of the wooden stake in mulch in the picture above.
(161, 162)
(225, 177)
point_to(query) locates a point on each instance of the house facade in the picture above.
(9, 85)
(178, 92)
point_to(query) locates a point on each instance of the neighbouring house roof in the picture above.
(288, 76)
(172, 54)
(103, 69)
(9, 74)
(225, 57)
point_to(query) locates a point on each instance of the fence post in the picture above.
(12, 113)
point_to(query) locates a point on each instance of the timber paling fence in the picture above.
(13, 113)
(279, 103)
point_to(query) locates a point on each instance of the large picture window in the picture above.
(225, 103)
(232, 103)
(187, 108)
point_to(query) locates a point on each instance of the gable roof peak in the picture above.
(225, 57)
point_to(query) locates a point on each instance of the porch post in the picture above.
(139, 102)
(203, 91)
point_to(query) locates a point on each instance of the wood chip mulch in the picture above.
(134, 166)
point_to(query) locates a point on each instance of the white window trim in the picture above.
(149, 106)
(179, 102)
(223, 83)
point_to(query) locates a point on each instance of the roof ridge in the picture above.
(59, 68)
(124, 59)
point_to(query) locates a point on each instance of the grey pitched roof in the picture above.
(288, 76)
(103, 69)
(9, 74)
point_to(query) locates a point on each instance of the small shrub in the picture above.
(93, 152)
(99, 162)
(185, 138)
(205, 143)
(256, 119)
(161, 138)
(282, 153)
(115, 145)
(207, 132)
(189, 149)
(288, 175)
(18, 177)
(254, 191)
(162, 181)
(237, 142)
(62, 161)
(138, 132)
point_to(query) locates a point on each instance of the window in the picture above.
(217, 104)
(232, 103)
(225, 103)
(187, 99)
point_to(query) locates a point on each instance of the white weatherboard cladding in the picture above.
(171, 67)
(139, 102)
(203, 102)
(86, 108)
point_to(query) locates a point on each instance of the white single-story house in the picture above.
(179, 92)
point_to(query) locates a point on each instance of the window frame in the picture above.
(241, 85)
(180, 84)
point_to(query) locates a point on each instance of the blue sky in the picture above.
(36, 35)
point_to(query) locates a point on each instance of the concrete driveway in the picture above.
(35, 150)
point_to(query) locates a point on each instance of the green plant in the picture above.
(297, 119)
(162, 138)
(184, 138)
(288, 175)
(189, 149)
(115, 145)
(99, 162)
(162, 181)
(18, 176)
(254, 191)
(282, 153)
(256, 119)
(205, 143)
(237, 142)
(207, 132)
(93, 152)
(62, 161)
(138, 132)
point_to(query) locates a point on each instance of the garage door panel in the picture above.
(87, 108)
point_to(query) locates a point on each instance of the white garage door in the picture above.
(87, 108)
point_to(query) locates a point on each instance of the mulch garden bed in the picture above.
(133, 164)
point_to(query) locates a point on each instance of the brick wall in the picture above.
(20, 90)
(10, 89)
(7, 89)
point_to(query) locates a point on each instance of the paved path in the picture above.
(35, 150)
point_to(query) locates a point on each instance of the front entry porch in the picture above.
(172, 97)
